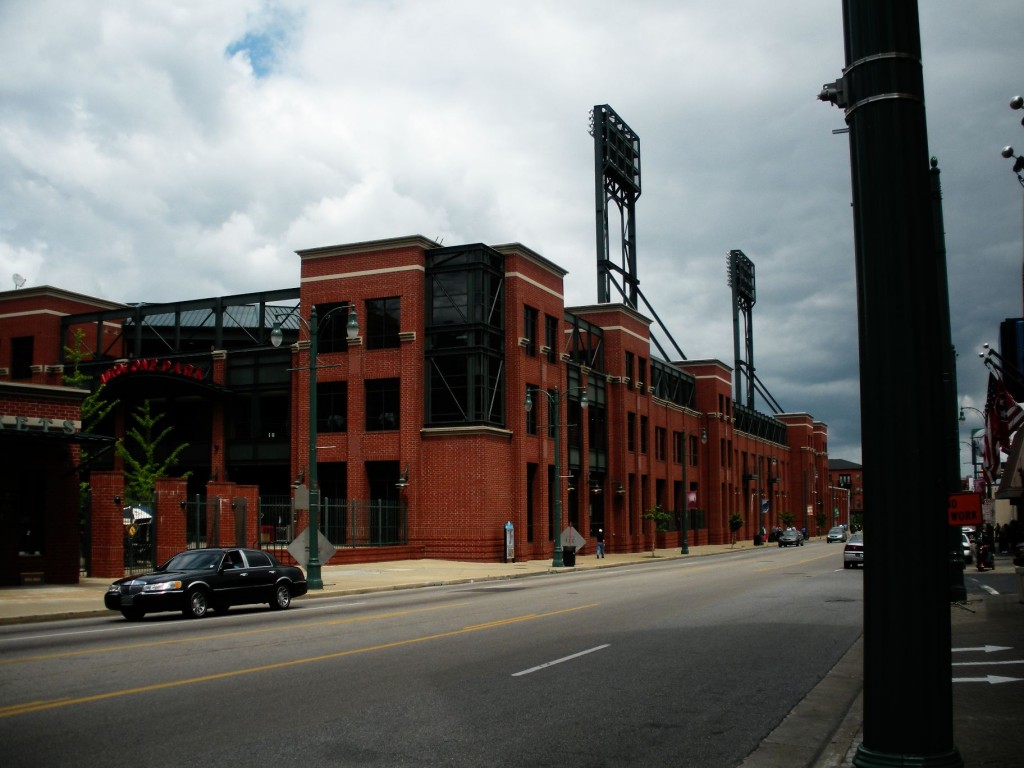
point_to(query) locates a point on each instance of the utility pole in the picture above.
(902, 302)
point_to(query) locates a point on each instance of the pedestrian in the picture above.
(600, 542)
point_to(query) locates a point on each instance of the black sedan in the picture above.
(199, 580)
(791, 538)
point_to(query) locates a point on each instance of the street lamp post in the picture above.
(685, 548)
(555, 398)
(314, 579)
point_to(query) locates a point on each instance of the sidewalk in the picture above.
(20, 605)
(823, 731)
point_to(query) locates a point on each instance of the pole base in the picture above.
(867, 758)
(313, 577)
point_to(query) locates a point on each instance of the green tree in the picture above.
(787, 519)
(735, 523)
(141, 452)
(661, 519)
(95, 406)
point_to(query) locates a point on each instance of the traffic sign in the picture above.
(964, 508)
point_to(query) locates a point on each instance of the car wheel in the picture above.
(198, 604)
(282, 597)
(132, 614)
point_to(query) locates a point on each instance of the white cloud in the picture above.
(158, 151)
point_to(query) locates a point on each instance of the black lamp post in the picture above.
(555, 397)
(314, 578)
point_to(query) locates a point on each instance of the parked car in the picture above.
(853, 552)
(836, 534)
(968, 554)
(791, 538)
(199, 580)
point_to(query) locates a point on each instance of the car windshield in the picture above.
(197, 560)
(857, 538)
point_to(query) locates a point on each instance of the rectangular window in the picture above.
(677, 447)
(21, 357)
(641, 371)
(530, 330)
(629, 368)
(659, 443)
(332, 406)
(551, 337)
(533, 393)
(643, 434)
(382, 404)
(630, 431)
(331, 335)
(383, 318)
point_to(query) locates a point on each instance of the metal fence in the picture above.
(139, 538)
(343, 522)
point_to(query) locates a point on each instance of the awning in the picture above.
(139, 515)
(1011, 484)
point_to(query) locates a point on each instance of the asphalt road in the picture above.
(684, 662)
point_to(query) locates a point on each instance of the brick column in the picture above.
(171, 536)
(107, 524)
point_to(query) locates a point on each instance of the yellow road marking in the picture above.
(40, 706)
(221, 635)
(798, 562)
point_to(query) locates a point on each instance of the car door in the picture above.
(262, 575)
(236, 585)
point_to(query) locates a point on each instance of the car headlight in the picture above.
(163, 586)
(114, 588)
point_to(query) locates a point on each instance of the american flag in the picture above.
(1003, 417)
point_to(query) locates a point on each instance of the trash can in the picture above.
(569, 556)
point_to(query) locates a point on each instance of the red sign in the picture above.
(964, 509)
(154, 365)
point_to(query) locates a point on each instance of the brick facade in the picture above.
(639, 446)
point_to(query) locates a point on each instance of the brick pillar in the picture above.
(249, 495)
(218, 373)
(220, 517)
(107, 524)
(171, 536)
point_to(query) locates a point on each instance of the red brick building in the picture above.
(425, 446)
(846, 492)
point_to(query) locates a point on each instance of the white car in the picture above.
(853, 552)
(968, 555)
(836, 534)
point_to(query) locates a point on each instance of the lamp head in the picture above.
(1007, 152)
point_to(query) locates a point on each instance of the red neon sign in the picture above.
(154, 365)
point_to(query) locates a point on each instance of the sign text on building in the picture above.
(154, 365)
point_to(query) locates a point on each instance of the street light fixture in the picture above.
(314, 579)
(555, 398)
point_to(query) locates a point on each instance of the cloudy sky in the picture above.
(156, 151)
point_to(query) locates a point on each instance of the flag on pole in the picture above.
(1003, 417)
(990, 437)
